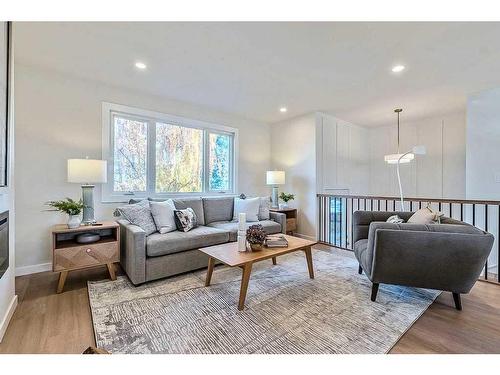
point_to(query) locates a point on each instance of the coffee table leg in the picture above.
(274, 260)
(247, 270)
(210, 270)
(309, 258)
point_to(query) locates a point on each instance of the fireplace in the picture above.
(4, 242)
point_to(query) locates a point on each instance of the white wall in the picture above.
(343, 160)
(294, 151)
(483, 145)
(59, 117)
(8, 299)
(438, 174)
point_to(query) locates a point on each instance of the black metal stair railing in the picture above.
(335, 218)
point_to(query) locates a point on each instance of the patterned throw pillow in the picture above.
(185, 220)
(395, 219)
(139, 214)
(265, 205)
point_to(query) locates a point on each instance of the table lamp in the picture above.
(87, 172)
(275, 178)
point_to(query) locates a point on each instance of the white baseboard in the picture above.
(4, 323)
(28, 270)
(305, 236)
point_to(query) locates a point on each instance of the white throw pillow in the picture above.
(250, 206)
(425, 216)
(265, 205)
(163, 215)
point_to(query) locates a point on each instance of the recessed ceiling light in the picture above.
(283, 109)
(140, 65)
(398, 68)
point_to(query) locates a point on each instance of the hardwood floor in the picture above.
(46, 322)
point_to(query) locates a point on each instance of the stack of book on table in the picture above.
(276, 240)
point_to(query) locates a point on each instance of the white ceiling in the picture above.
(253, 69)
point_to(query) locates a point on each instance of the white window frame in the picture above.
(152, 117)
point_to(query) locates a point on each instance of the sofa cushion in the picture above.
(195, 203)
(270, 227)
(174, 242)
(218, 209)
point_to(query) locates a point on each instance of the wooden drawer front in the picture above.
(291, 225)
(85, 256)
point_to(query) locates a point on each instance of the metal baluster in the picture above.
(450, 207)
(340, 223)
(462, 212)
(474, 214)
(346, 217)
(419, 205)
(439, 205)
(352, 229)
(486, 229)
(322, 219)
(411, 206)
(335, 222)
(394, 205)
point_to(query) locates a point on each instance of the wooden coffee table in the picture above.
(228, 254)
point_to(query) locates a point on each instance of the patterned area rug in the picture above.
(286, 312)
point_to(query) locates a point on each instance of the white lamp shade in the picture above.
(393, 158)
(275, 177)
(87, 171)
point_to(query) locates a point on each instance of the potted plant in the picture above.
(285, 198)
(256, 237)
(71, 207)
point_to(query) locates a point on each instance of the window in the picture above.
(157, 155)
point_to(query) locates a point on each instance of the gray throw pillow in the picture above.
(265, 205)
(139, 214)
(185, 220)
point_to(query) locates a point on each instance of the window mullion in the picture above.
(151, 163)
(206, 158)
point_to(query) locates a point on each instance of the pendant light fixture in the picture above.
(401, 158)
(393, 158)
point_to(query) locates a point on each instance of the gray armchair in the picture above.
(448, 256)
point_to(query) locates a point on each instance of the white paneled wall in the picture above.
(351, 158)
(438, 174)
(343, 157)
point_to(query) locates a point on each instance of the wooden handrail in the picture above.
(432, 200)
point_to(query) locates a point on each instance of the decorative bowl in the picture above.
(88, 238)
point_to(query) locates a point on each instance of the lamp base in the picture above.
(88, 205)
(275, 197)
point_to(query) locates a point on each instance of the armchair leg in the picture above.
(360, 270)
(374, 291)
(458, 301)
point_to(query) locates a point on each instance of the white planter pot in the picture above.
(74, 221)
(283, 206)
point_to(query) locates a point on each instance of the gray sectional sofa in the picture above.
(145, 258)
